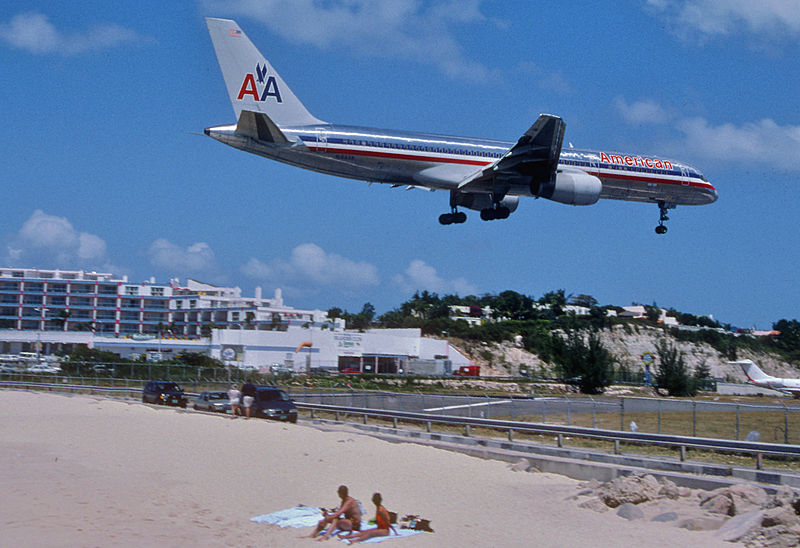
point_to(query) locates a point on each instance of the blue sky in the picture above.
(102, 168)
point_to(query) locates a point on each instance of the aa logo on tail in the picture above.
(267, 85)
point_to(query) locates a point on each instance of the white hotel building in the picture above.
(56, 309)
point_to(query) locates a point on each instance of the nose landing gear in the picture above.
(663, 207)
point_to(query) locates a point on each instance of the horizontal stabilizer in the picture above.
(257, 125)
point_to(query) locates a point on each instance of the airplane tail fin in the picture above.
(751, 370)
(252, 83)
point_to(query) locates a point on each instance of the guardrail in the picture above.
(758, 449)
(682, 442)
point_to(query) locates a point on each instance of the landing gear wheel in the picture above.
(459, 217)
(663, 208)
(502, 212)
(488, 214)
(445, 218)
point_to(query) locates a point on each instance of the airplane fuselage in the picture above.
(482, 175)
(407, 158)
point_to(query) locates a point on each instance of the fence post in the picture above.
(510, 434)
(785, 424)
(560, 440)
(569, 415)
(683, 453)
(621, 414)
(659, 416)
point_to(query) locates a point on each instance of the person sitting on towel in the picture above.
(347, 517)
(382, 523)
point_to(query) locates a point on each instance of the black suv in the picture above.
(164, 393)
(273, 403)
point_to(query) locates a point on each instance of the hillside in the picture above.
(627, 346)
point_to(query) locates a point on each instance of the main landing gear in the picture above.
(497, 212)
(663, 207)
(456, 217)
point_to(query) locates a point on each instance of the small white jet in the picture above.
(480, 174)
(758, 378)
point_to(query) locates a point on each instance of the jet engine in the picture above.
(479, 202)
(570, 187)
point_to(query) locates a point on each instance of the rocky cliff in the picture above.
(627, 344)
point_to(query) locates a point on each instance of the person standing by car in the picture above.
(248, 397)
(235, 397)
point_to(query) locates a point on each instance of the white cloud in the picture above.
(421, 276)
(764, 19)
(760, 142)
(641, 112)
(196, 259)
(34, 33)
(53, 242)
(411, 30)
(311, 267)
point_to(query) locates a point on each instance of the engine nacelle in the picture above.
(478, 202)
(572, 188)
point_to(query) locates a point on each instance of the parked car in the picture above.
(164, 393)
(278, 369)
(273, 403)
(43, 368)
(212, 400)
(350, 371)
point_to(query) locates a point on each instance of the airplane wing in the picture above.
(532, 161)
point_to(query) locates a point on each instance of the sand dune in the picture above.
(84, 471)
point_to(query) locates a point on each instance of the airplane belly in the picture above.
(638, 190)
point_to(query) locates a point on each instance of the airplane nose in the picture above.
(207, 131)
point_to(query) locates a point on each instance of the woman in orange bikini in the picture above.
(381, 520)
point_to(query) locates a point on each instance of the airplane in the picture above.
(758, 378)
(483, 175)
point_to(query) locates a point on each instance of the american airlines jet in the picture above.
(481, 174)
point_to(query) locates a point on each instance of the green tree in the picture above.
(556, 300)
(335, 312)
(583, 300)
(652, 312)
(587, 363)
(513, 305)
(672, 373)
(197, 359)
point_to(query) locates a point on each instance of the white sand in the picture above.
(83, 471)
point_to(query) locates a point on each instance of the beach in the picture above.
(88, 471)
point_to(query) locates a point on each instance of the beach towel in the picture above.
(308, 516)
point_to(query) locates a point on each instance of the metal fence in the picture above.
(774, 423)
(697, 418)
